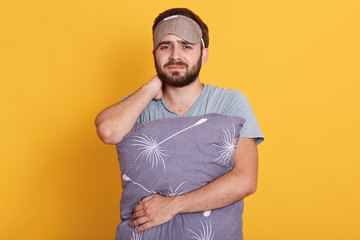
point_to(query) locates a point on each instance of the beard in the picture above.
(174, 79)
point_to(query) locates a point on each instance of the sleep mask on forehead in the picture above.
(179, 25)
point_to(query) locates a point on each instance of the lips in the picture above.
(175, 67)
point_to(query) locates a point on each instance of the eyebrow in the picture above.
(179, 41)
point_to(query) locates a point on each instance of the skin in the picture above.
(114, 122)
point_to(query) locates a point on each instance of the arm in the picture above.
(233, 186)
(114, 122)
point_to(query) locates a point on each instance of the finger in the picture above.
(137, 215)
(139, 207)
(143, 227)
(139, 221)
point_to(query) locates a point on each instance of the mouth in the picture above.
(175, 67)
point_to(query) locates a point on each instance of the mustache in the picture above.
(172, 62)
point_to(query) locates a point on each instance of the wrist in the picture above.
(152, 88)
(178, 202)
(148, 90)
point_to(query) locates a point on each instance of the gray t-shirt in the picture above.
(229, 102)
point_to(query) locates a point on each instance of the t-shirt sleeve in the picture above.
(240, 107)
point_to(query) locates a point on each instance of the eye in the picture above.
(164, 47)
(187, 46)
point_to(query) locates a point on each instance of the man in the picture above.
(181, 43)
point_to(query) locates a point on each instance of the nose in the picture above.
(175, 53)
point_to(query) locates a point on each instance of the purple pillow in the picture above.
(174, 156)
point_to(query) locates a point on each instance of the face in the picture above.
(177, 62)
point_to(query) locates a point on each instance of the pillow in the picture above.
(174, 156)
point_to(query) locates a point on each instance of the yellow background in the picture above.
(61, 62)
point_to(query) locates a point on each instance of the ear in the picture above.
(205, 55)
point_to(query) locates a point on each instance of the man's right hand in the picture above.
(157, 85)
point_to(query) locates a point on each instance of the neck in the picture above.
(180, 100)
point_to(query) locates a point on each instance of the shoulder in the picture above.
(225, 94)
(232, 102)
(220, 91)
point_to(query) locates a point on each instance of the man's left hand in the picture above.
(153, 211)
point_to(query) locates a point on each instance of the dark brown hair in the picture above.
(187, 13)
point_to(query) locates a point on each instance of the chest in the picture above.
(180, 109)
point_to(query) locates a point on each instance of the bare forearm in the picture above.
(221, 192)
(114, 122)
(240, 182)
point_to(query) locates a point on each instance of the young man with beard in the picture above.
(180, 49)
